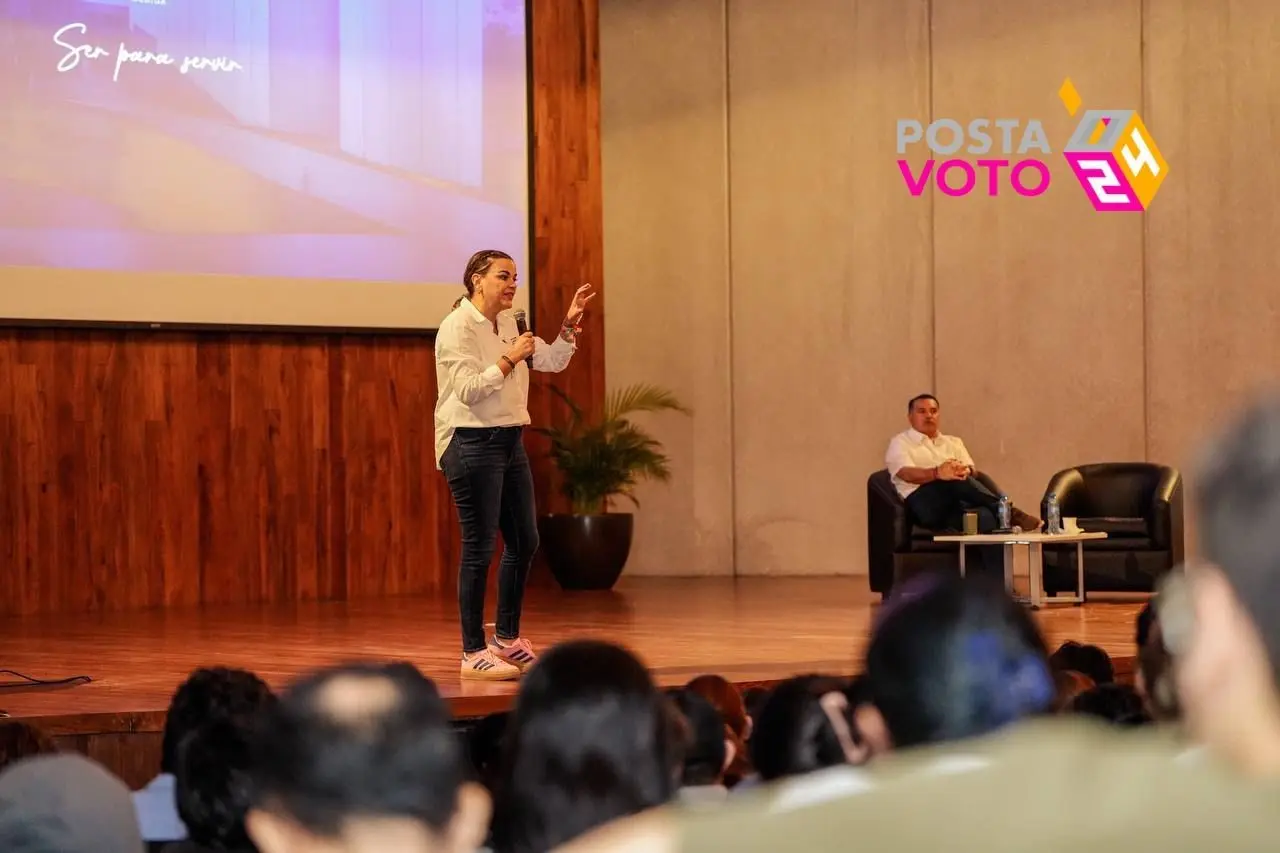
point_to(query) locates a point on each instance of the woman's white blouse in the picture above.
(472, 392)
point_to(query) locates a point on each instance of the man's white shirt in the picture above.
(914, 449)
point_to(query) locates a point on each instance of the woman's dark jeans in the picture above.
(488, 474)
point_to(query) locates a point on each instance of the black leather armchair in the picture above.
(1138, 505)
(897, 547)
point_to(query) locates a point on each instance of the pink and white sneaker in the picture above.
(519, 652)
(487, 666)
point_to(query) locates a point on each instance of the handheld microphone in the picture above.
(522, 326)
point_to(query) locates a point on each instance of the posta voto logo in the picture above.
(1113, 155)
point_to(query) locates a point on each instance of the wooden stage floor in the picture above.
(752, 631)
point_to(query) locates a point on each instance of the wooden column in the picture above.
(568, 217)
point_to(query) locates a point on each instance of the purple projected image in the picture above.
(337, 139)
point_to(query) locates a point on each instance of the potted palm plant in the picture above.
(601, 457)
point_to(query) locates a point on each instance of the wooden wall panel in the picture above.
(99, 469)
(263, 415)
(394, 496)
(142, 469)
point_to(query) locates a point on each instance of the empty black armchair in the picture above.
(897, 547)
(1138, 505)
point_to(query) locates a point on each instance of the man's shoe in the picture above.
(1029, 523)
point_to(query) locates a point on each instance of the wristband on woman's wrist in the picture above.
(509, 361)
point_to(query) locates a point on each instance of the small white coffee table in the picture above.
(1035, 558)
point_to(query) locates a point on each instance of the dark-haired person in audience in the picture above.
(808, 723)
(933, 473)
(590, 739)
(1145, 622)
(363, 759)
(948, 661)
(1090, 660)
(213, 789)
(209, 694)
(1154, 679)
(708, 751)
(726, 699)
(19, 740)
(811, 724)
(955, 662)
(753, 699)
(1069, 684)
(1085, 679)
(484, 747)
(1120, 704)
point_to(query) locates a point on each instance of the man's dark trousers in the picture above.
(940, 506)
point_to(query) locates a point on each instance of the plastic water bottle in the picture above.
(1053, 515)
(1006, 513)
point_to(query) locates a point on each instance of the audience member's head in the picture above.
(1069, 684)
(364, 758)
(904, 592)
(753, 699)
(1115, 703)
(1145, 623)
(209, 694)
(807, 724)
(1154, 679)
(1089, 660)
(868, 732)
(65, 804)
(959, 660)
(726, 699)
(18, 740)
(1220, 620)
(484, 747)
(590, 739)
(213, 789)
(709, 749)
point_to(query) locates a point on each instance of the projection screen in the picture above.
(303, 163)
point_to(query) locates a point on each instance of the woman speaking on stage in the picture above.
(482, 370)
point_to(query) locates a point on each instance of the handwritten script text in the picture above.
(76, 53)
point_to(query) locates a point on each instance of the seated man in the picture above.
(934, 475)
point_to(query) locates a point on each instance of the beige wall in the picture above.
(765, 261)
